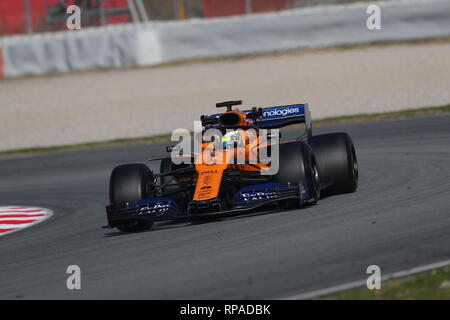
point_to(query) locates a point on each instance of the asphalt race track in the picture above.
(399, 218)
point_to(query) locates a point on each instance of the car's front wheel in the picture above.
(128, 184)
(297, 163)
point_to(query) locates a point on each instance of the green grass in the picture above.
(87, 145)
(365, 117)
(432, 285)
(166, 137)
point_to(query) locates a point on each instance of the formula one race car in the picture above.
(240, 165)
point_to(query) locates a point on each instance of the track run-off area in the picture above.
(398, 219)
(114, 104)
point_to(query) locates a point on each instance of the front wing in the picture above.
(247, 199)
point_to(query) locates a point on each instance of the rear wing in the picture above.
(268, 118)
(281, 116)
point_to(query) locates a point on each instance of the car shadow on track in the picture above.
(160, 226)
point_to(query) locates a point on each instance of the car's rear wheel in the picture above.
(336, 160)
(128, 184)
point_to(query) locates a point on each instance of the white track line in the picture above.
(360, 283)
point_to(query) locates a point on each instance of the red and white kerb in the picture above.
(15, 218)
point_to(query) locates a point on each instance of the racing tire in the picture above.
(336, 160)
(130, 183)
(296, 163)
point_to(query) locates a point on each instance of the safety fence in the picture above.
(155, 43)
(34, 16)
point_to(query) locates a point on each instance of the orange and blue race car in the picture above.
(239, 164)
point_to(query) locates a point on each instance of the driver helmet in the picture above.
(232, 139)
